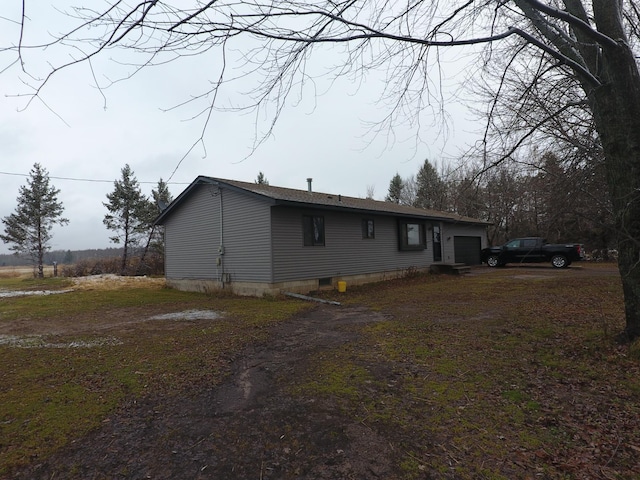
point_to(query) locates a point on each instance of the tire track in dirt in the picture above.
(250, 426)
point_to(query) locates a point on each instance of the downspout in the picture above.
(221, 247)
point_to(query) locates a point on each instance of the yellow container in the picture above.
(342, 286)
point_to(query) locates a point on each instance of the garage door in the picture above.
(467, 250)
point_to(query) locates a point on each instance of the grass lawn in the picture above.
(497, 375)
(506, 373)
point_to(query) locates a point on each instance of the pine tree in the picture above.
(38, 210)
(430, 188)
(395, 189)
(129, 214)
(161, 195)
(262, 180)
(155, 241)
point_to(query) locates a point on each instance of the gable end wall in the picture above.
(190, 251)
(198, 248)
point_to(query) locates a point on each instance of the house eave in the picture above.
(364, 211)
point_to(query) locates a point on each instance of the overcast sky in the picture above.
(84, 139)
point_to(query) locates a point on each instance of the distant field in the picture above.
(25, 272)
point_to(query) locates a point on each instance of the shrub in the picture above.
(152, 265)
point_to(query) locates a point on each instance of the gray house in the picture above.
(255, 239)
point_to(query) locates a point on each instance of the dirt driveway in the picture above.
(251, 426)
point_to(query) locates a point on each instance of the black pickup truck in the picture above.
(532, 250)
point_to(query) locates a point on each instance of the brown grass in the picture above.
(116, 282)
(16, 272)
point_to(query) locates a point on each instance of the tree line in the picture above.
(65, 257)
(130, 216)
(548, 196)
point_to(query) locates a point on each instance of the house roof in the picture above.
(305, 198)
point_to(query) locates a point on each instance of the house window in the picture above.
(412, 235)
(437, 243)
(313, 230)
(368, 228)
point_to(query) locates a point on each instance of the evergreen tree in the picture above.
(262, 180)
(155, 241)
(38, 210)
(430, 188)
(161, 196)
(129, 214)
(395, 189)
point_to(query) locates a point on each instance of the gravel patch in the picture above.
(39, 341)
(189, 315)
(24, 293)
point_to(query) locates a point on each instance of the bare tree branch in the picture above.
(573, 21)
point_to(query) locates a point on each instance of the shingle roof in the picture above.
(289, 196)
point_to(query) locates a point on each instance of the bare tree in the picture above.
(409, 193)
(560, 159)
(590, 43)
(371, 192)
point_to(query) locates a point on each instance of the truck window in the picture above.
(513, 244)
(529, 243)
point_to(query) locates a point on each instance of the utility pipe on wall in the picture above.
(221, 247)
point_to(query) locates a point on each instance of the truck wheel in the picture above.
(559, 261)
(493, 261)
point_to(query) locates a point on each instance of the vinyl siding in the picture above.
(264, 242)
(190, 249)
(451, 230)
(193, 237)
(345, 251)
(247, 237)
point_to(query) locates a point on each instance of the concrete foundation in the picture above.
(257, 289)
